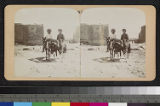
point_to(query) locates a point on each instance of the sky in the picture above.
(69, 19)
(52, 18)
(118, 18)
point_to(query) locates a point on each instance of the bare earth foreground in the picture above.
(85, 62)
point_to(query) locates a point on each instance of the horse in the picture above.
(110, 43)
(50, 46)
(54, 47)
(113, 46)
(116, 46)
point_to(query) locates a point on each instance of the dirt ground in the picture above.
(85, 62)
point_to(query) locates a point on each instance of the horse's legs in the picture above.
(110, 54)
(107, 48)
(46, 55)
(59, 51)
(43, 48)
(56, 52)
(127, 52)
(49, 54)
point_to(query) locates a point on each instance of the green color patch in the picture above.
(41, 104)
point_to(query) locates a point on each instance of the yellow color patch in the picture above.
(60, 104)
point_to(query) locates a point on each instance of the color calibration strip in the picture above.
(74, 104)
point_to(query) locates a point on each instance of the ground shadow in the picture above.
(42, 60)
(106, 60)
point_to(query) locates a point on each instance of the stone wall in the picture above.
(142, 35)
(28, 34)
(94, 34)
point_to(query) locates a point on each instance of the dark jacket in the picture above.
(60, 37)
(124, 36)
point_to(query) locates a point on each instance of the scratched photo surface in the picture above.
(81, 43)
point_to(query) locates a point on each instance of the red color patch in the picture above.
(79, 104)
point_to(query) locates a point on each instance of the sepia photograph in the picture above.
(47, 43)
(113, 42)
(96, 43)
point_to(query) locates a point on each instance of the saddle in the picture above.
(51, 41)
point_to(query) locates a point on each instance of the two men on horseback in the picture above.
(60, 37)
(116, 46)
(51, 45)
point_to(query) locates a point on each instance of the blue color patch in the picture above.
(22, 103)
(6, 103)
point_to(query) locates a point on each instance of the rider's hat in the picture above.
(123, 29)
(113, 30)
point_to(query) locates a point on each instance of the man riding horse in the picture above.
(125, 41)
(50, 45)
(46, 38)
(49, 36)
(111, 42)
(124, 37)
(60, 38)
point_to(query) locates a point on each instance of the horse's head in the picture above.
(107, 38)
(43, 39)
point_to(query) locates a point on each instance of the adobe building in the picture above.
(142, 34)
(28, 34)
(94, 34)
